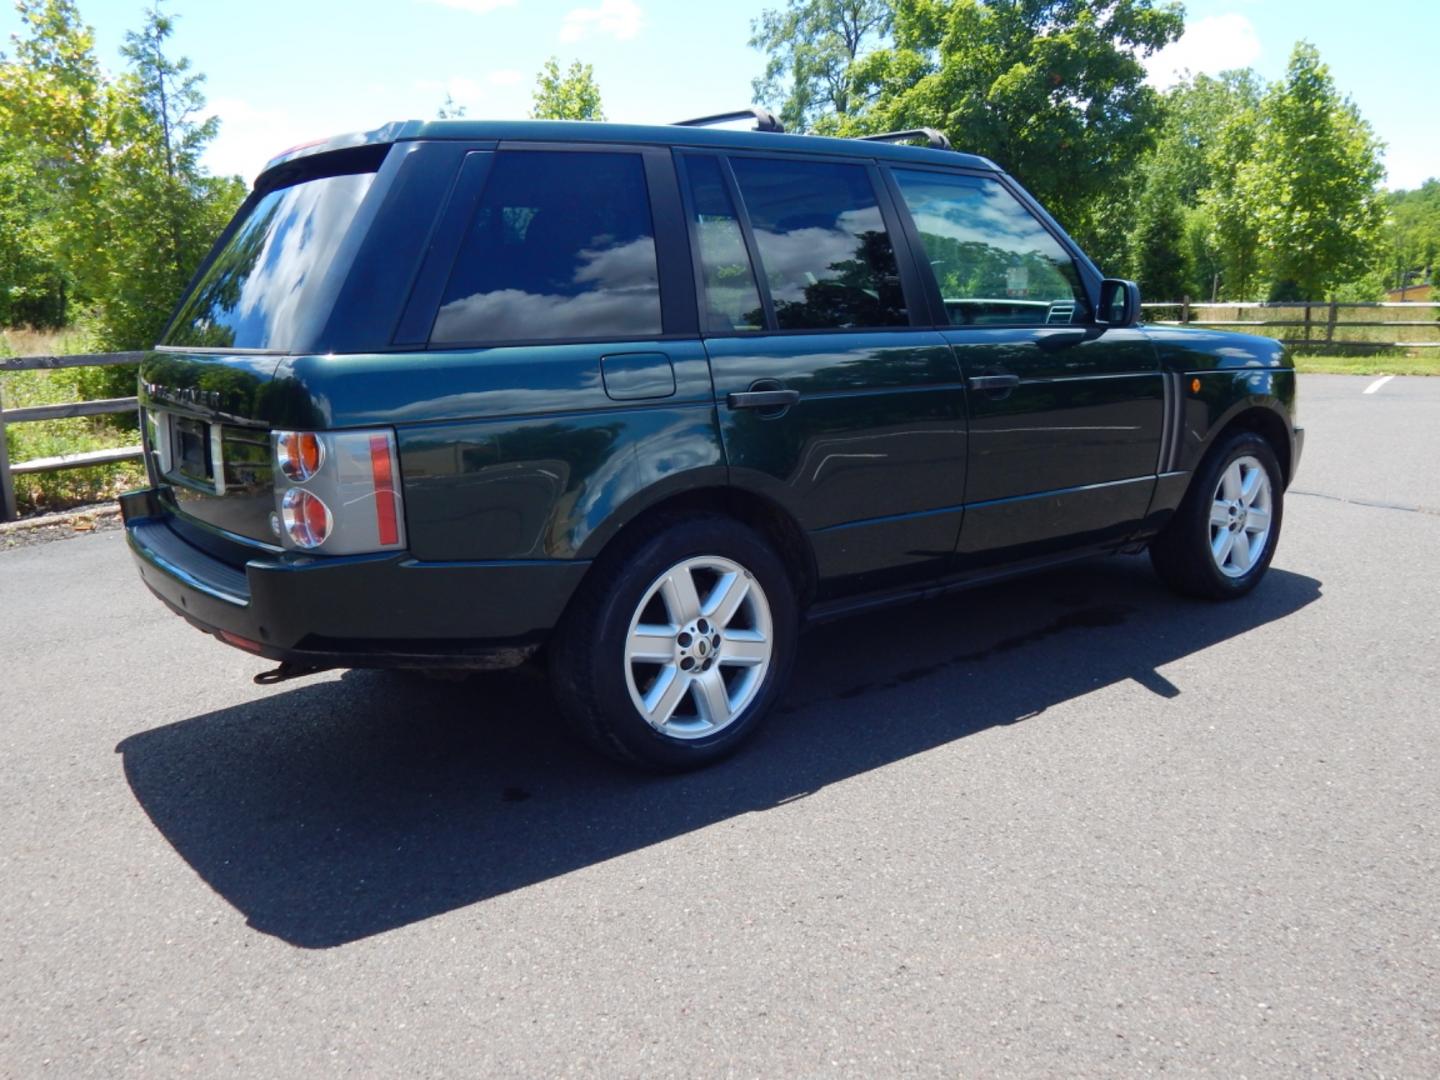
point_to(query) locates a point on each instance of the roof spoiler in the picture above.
(764, 119)
(936, 139)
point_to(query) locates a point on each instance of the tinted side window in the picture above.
(561, 246)
(995, 263)
(823, 245)
(730, 296)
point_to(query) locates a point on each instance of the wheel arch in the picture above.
(1267, 422)
(763, 515)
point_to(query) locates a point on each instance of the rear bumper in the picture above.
(387, 610)
(1297, 447)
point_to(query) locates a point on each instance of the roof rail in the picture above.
(764, 119)
(934, 138)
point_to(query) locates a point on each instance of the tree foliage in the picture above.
(102, 174)
(1052, 90)
(1410, 240)
(571, 95)
(1312, 182)
(1277, 187)
(810, 47)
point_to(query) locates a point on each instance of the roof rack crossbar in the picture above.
(934, 138)
(764, 119)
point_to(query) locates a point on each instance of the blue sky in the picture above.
(282, 72)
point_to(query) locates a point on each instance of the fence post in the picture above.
(1330, 323)
(7, 483)
(1184, 310)
(1307, 322)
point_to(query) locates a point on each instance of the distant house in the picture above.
(1410, 292)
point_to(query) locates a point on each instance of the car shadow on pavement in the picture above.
(337, 810)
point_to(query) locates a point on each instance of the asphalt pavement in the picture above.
(1069, 826)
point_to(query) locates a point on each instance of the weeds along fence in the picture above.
(9, 470)
(1338, 327)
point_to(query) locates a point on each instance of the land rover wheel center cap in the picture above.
(697, 646)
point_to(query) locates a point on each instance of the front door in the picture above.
(1065, 415)
(832, 403)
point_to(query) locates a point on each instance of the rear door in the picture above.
(834, 401)
(1065, 415)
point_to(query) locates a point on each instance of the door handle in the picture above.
(1054, 340)
(763, 399)
(994, 382)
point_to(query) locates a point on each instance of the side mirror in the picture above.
(1119, 303)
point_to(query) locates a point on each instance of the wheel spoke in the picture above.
(744, 648)
(1221, 546)
(651, 644)
(1240, 553)
(670, 686)
(681, 600)
(1250, 486)
(725, 598)
(711, 697)
(1230, 485)
(1257, 520)
(1220, 513)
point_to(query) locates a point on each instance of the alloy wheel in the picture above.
(699, 646)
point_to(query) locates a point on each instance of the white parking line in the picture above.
(1377, 384)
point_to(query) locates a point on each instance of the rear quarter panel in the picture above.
(519, 452)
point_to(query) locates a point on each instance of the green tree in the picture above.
(1157, 243)
(809, 48)
(1312, 183)
(56, 114)
(1177, 246)
(1411, 237)
(34, 288)
(162, 210)
(1053, 90)
(571, 95)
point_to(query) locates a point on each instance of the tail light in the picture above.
(336, 492)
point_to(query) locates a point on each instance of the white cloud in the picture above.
(479, 7)
(1210, 45)
(621, 19)
(504, 77)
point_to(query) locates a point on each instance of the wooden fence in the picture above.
(1317, 323)
(60, 412)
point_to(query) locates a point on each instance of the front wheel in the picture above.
(678, 645)
(1221, 540)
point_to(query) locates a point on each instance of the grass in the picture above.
(44, 492)
(1417, 362)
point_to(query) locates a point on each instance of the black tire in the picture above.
(1182, 554)
(587, 655)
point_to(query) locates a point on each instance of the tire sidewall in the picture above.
(630, 579)
(1246, 444)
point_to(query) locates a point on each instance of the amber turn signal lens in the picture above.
(306, 518)
(300, 454)
(1194, 386)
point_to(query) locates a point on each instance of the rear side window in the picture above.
(561, 246)
(267, 279)
(731, 299)
(996, 265)
(827, 258)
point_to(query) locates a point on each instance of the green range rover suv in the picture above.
(644, 400)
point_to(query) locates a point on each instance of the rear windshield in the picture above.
(262, 284)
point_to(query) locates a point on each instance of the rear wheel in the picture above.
(678, 645)
(1221, 540)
